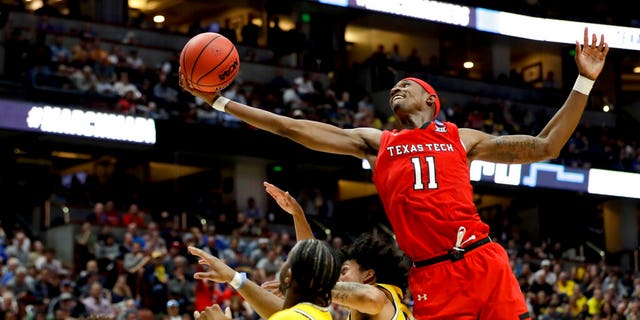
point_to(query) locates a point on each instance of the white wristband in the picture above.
(238, 279)
(220, 103)
(583, 85)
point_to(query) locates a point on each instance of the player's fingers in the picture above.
(215, 307)
(186, 86)
(274, 187)
(271, 190)
(601, 46)
(269, 187)
(586, 36)
(578, 49)
(273, 194)
(183, 83)
(287, 199)
(594, 41)
(606, 49)
(198, 252)
(203, 275)
(196, 314)
(227, 312)
(270, 285)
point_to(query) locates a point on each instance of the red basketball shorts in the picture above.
(479, 286)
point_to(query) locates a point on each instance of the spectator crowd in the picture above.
(107, 77)
(130, 266)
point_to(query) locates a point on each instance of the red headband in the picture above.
(429, 90)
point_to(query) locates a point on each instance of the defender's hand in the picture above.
(284, 199)
(213, 312)
(273, 286)
(218, 270)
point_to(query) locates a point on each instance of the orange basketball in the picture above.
(209, 62)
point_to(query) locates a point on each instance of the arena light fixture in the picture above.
(468, 65)
(636, 69)
(158, 18)
(499, 22)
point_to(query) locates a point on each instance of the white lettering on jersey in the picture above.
(397, 150)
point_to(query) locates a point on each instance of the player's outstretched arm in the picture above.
(263, 302)
(290, 205)
(314, 135)
(590, 58)
(358, 296)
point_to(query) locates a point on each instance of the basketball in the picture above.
(209, 62)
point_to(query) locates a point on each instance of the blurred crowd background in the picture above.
(129, 248)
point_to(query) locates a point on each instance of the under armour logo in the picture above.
(422, 297)
(441, 129)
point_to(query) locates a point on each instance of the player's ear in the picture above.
(369, 276)
(287, 277)
(430, 99)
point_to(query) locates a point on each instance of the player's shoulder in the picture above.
(287, 314)
(443, 123)
(299, 312)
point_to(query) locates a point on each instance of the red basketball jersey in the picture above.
(422, 177)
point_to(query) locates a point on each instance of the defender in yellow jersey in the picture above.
(373, 280)
(306, 279)
(374, 273)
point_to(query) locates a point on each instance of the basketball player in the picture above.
(373, 277)
(306, 279)
(422, 177)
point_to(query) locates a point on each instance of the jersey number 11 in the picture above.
(417, 171)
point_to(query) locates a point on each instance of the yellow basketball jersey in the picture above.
(303, 311)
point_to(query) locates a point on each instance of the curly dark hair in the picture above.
(382, 255)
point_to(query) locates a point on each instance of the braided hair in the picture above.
(383, 256)
(315, 268)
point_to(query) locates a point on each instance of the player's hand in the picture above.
(207, 97)
(213, 312)
(273, 286)
(218, 270)
(590, 57)
(284, 199)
